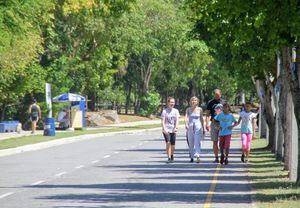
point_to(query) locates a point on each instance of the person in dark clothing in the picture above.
(211, 124)
(35, 114)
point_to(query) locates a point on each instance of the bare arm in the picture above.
(29, 109)
(207, 119)
(253, 126)
(186, 118)
(201, 118)
(239, 121)
(234, 125)
(176, 124)
(163, 124)
(40, 113)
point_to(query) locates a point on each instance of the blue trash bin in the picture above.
(49, 127)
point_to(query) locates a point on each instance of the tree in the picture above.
(20, 47)
(159, 51)
(80, 55)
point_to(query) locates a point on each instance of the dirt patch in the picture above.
(94, 119)
(132, 118)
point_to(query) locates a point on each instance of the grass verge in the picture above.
(270, 181)
(21, 141)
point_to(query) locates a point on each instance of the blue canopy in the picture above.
(68, 97)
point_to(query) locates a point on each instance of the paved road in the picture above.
(121, 171)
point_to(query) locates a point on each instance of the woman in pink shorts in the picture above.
(247, 130)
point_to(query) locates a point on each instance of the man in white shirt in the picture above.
(63, 118)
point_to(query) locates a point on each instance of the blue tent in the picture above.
(68, 97)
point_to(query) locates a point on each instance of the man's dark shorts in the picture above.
(170, 137)
(34, 118)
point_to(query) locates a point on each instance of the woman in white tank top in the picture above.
(194, 124)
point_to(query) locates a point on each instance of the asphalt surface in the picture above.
(126, 170)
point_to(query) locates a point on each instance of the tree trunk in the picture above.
(91, 104)
(265, 95)
(283, 108)
(293, 82)
(243, 98)
(128, 98)
(3, 111)
(279, 124)
(288, 133)
(192, 89)
(146, 75)
(285, 113)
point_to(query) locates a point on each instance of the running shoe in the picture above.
(198, 159)
(243, 158)
(222, 159)
(226, 161)
(192, 160)
(169, 160)
(172, 157)
(216, 160)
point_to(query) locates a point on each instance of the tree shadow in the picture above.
(149, 192)
(277, 197)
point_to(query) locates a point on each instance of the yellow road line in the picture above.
(212, 188)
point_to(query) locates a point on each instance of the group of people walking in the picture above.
(219, 121)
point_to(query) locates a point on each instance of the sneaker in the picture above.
(192, 160)
(172, 157)
(247, 161)
(226, 161)
(243, 158)
(216, 160)
(222, 159)
(198, 160)
(169, 160)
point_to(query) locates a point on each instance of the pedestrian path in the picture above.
(9, 135)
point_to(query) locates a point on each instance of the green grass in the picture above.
(270, 181)
(25, 140)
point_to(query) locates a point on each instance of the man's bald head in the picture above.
(218, 94)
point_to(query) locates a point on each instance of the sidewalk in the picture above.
(9, 135)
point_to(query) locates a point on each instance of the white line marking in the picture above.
(95, 161)
(37, 183)
(146, 141)
(5, 195)
(106, 156)
(116, 152)
(60, 174)
(80, 166)
(132, 146)
(140, 144)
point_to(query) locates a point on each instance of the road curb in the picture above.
(67, 140)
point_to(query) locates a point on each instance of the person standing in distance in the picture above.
(169, 122)
(214, 125)
(35, 113)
